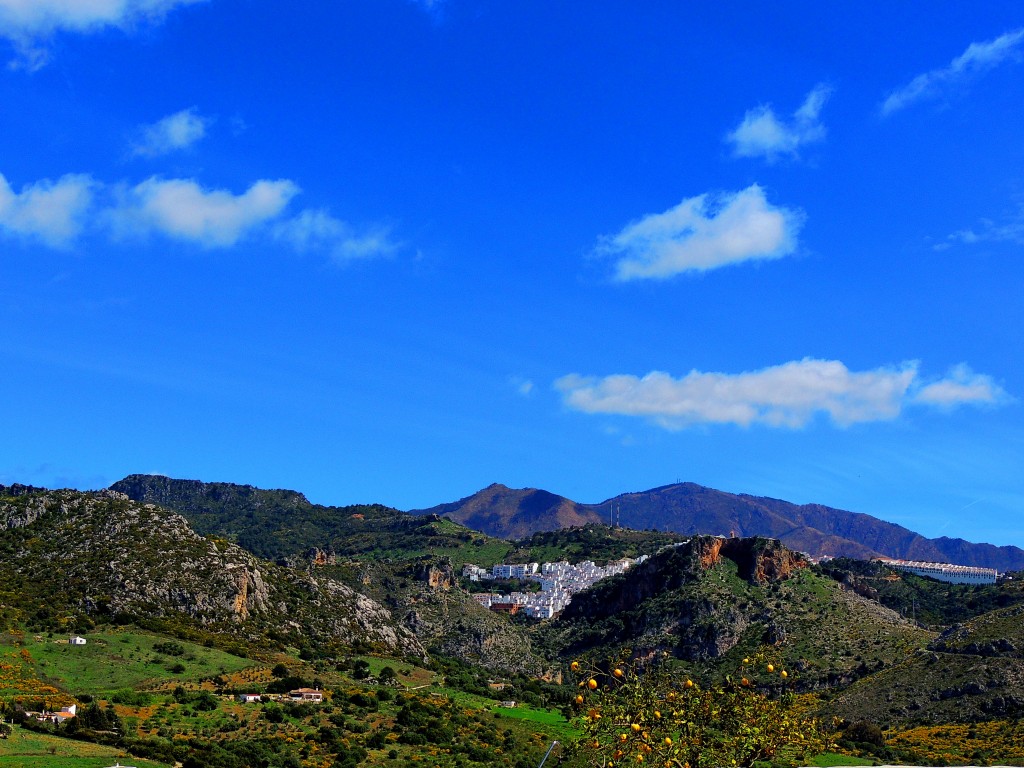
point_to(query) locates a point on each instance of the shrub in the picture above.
(668, 719)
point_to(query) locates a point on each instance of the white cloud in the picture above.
(56, 213)
(962, 386)
(181, 209)
(978, 58)
(703, 233)
(174, 132)
(317, 230)
(788, 395)
(28, 23)
(762, 134)
(53, 212)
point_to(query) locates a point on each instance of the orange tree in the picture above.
(629, 717)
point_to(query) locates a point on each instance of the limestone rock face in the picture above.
(117, 557)
(437, 575)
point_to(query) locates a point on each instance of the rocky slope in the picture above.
(712, 601)
(692, 509)
(972, 671)
(103, 556)
(424, 594)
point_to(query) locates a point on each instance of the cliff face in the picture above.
(760, 561)
(671, 601)
(108, 556)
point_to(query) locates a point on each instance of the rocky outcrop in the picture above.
(114, 557)
(436, 574)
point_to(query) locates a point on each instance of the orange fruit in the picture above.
(771, 667)
(668, 742)
(783, 673)
(635, 727)
(689, 683)
(574, 666)
(579, 699)
(592, 684)
(617, 672)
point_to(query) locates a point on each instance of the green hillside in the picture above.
(712, 601)
(70, 560)
(284, 525)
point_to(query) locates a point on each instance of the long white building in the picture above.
(952, 574)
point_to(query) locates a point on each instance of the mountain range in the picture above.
(691, 509)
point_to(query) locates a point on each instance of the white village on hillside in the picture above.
(559, 581)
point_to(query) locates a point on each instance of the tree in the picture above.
(630, 716)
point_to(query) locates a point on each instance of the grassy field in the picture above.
(108, 662)
(552, 721)
(831, 759)
(26, 749)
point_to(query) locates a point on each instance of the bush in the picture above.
(169, 648)
(864, 732)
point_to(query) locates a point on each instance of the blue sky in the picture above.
(393, 251)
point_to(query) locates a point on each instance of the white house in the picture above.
(306, 694)
(249, 698)
(76, 640)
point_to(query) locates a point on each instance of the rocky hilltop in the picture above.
(102, 556)
(691, 509)
(712, 601)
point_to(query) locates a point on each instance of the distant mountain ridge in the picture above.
(691, 509)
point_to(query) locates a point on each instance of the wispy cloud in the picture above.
(319, 231)
(703, 233)
(788, 395)
(52, 212)
(433, 7)
(28, 24)
(1010, 230)
(174, 132)
(978, 58)
(524, 387)
(57, 213)
(763, 134)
